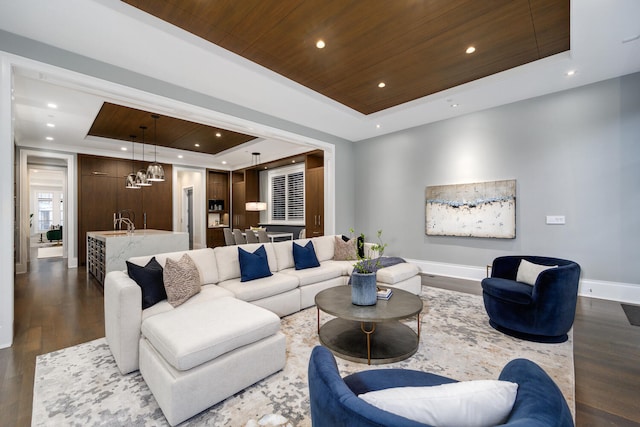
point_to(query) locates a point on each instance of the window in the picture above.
(45, 210)
(286, 195)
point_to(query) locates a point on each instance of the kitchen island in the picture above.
(108, 250)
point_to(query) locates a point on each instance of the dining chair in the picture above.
(238, 237)
(229, 240)
(251, 236)
(263, 237)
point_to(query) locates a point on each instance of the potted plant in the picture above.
(363, 279)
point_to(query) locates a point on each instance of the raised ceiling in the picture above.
(416, 47)
(120, 122)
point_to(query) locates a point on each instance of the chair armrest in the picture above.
(122, 319)
(539, 400)
(558, 284)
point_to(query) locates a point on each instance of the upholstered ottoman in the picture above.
(192, 359)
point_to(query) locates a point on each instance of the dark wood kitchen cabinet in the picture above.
(314, 195)
(102, 192)
(245, 188)
(218, 206)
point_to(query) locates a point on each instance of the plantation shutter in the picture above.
(278, 198)
(295, 196)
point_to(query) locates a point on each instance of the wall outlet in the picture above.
(555, 219)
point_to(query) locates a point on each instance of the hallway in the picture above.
(55, 307)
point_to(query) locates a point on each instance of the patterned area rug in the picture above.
(81, 385)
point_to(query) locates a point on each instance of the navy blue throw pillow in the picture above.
(305, 256)
(149, 278)
(253, 265)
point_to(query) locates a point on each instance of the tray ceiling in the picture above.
(119, 122)
(416, 48)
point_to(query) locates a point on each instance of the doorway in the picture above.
(187, 216)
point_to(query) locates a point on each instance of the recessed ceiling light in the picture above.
(470, 49)
(123, 148)
(180, 156)
(218, 134)
(378, 126)
(35, 171)
(49, 138)
(52, 105)
(381, 84)
(571, 73)
(293, 161)
(320, 44)
(197, 145)
(51, 125)
(454, 105)
(224, 162)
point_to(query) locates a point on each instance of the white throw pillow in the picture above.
(528, 271)
(463, 404)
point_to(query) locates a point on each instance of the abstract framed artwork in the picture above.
(482, 209)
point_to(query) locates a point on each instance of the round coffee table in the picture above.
(369, 334)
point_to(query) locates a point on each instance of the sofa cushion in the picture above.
(345, 266)
(203, 258)
(508, 290)
(190, 336)
(481, 403)
(305, 256)
(253, 265)
(344, 251)
(284, 254)
(229, 263)
(311, 276)
(260, 288)
(181, 279)
(324, 247)
(528, 272)
(397, 273)
(207, 292)
(149, 278)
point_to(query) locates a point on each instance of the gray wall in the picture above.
(574, 153)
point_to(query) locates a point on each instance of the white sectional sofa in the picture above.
(216, 333)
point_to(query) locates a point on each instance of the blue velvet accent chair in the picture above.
(543, 312)
(335, 401)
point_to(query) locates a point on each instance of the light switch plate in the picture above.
(555, 219)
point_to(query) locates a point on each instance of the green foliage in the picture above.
(366, 265)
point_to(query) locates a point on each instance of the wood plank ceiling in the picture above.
(416, 47)
(119, 122)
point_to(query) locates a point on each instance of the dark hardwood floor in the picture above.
(56, 307)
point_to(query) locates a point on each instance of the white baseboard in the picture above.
(614, 291)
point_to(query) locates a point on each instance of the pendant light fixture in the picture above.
(130, 180)
(155, 171)
(255, 206)
(141, 176)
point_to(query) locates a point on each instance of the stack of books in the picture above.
(384, 293)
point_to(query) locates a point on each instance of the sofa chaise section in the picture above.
(192, 359)
(123, 304)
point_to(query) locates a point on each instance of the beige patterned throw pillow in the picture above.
(345, 251)
(181, 279)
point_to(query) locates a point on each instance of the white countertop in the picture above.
(135, 233)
